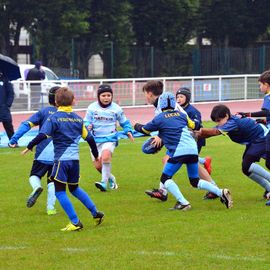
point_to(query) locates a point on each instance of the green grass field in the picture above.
(138, 232)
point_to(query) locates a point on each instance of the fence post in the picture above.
(262, 59)
(219, 88)
(192, 90)
(245, 87)
(133, 93)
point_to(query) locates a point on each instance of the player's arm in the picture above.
(140, 128)
(39, 138)
(91, 142)
(207, 132)
(262, 113)
(23, 128)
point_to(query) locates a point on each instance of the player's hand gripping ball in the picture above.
(149, 148)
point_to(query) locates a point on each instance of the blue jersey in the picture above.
(44, 150)
(104, 122)
(173, 130)
(243, 130)
(266, 106)
(66, 128)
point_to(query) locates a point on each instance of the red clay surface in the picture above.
(145, 114)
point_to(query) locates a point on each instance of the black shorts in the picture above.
(40, 169)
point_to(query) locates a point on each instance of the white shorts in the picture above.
(104, 146)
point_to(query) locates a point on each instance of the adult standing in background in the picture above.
(6, 100)
(35, 74)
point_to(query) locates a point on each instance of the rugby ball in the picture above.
(149, 148)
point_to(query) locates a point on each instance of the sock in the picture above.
(201, 160)
(34, 181)
(202, 184)
(174, 189)
(162, 187)
(50, 196)
(106, 172)
(67, 206)
(260, 180)
(81, 195)
(259, 170)
(213, 182)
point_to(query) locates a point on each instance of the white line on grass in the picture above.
(183, 254)
(11, 248)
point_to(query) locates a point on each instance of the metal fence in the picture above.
(128, 92)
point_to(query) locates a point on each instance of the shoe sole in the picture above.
(185, 208)
(228, 198)
(32, 199)
(100, 187)
(150, 193)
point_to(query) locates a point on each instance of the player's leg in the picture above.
(195, 181)
(207, 163)
(161, 193)
(60, 177)
(85, 199)
(38, 170)
(254, 171)
(166, 178)
(51, 198)
(107, 150)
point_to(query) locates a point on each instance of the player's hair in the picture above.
(265, 77)
(64, 97)
(155, 87)
(51, 95)
(219, 112)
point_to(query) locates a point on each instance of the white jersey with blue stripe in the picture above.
(104, 122)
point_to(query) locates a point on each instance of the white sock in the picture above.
(51, 196)
(162, 187)
(106, 172)
(34, 182)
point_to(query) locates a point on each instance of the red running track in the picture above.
(146, 113)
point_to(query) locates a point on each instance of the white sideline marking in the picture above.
(11, 248)
(182, 254)
(76, 249)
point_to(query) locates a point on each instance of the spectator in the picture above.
(35, 74)
(6, 100)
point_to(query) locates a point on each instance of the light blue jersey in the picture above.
(104, 122)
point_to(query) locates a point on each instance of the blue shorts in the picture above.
(256, 149)
(66, 171)
(174, 164)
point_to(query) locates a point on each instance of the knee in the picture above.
(165, 159)
(72, 188)
(245, 168)
(194, 182)
(106, 156)
(164, 177)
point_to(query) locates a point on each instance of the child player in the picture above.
(101, 119)
(43, 160)
(247, 132)
(66, 129)
(182, 149)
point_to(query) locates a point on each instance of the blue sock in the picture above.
(174, 189)
(201, 160)
(209, 187)
(81, 195)
(67, 206)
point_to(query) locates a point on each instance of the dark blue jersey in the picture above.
(243, 130)
(266, 106)
(66, 128)
(196, 116)
(173, 130)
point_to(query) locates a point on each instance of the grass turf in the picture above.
(138, 232)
